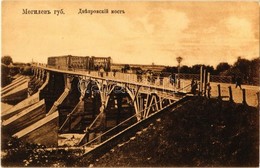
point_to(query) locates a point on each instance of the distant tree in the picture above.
(136, 69)
(243, 65)
(27, 70)
(5, 80)
(185, 69)
(254, 71)
(254, 67)
(221, 67)
(126, 68)
(14, 70)
(7, 60)
(170, 69)
(210, 69)
(195, 69)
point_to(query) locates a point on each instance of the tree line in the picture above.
(246, 69)
(10, 69)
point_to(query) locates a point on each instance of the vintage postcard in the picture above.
(130, 83)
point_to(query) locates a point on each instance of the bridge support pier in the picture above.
(105, 90)
(80, 87)
(67, 80)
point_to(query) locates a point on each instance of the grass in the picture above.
(200, 133)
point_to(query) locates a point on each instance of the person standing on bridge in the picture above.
(114, 72)
(172, 79)
(193, 86)
(101, 71)
(208, 90)
(238, 82)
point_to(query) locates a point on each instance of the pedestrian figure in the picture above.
(192, 83)
(152, 78)
(238, 82)
(101, 71)
(193, 86)
(208, 90)
(139, 75)
(161, 78)
(114, 73)
(172, 79)
(177, 81)
(148, 74)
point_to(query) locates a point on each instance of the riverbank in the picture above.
(200, 133)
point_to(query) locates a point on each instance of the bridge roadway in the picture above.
(162, 88)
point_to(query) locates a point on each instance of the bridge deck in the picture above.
(126, 78)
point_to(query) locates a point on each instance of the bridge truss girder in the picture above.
(145, 103)
(145, 100)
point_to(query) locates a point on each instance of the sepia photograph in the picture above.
(130, 83)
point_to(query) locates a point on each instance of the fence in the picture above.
(246, 95)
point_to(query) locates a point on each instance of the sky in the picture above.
(148, 32)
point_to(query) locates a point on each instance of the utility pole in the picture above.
(179, 59)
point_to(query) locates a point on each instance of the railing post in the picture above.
(178, 81)
(208, 78)
(257, 94)
(205, 82)
(201, 80)
(219, 92)
(244, 96)
(230, 94)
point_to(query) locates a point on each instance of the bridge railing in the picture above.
(167, 82)
(163, 82)
(135, 78)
